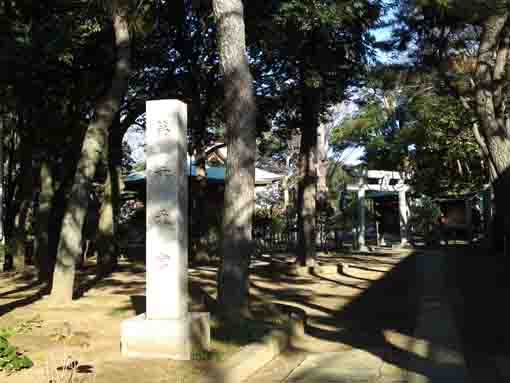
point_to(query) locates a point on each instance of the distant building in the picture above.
(135, 191)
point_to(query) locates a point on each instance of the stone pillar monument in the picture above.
(167, 329)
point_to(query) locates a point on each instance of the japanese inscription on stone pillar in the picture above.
(167, 185)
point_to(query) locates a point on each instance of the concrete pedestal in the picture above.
(165, 339)
(156, 338)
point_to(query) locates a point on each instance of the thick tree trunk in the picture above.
(499, 148)
(43, 226)
(110, 206)
(62, 184)
(494, 137)
(2, 237)
(107, 258)
(307, 185)
(69, 247)
(240, 115)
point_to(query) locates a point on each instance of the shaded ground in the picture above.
(480, 311)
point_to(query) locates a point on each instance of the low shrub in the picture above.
(10, 358)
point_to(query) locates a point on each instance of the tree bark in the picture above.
(10, 184)
(201, 221)
(25, 198)
(240, 117)
(107, 259)
(96, 136)
(307, 185)
(110, 206)
(43, 226)
(2, 237)
(493, 121)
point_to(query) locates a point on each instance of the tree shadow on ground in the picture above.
(87, 279)
(24, 282)
(8, 307)
(381, 319)
(481, 290)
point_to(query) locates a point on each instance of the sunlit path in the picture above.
(399, 349)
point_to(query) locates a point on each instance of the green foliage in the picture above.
(446, 159)
(10, 358)
(424, 217)
(424, 133)
(139, 166)
(303, 46)
(6, 332)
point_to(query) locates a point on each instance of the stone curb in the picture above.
(253, 357)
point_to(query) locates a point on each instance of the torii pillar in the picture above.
(403, 213)
(361, 220)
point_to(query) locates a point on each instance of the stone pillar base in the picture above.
(165, 339)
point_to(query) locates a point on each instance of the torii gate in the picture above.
(385, 181)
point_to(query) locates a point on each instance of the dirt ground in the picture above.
(93, 322)
(347, 302)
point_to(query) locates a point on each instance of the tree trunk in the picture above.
(62, 184)
(43, 226)
(201, 218)
(493, 59)
(2, 238)
(25, 200)
(307, 185)
(240, 116)
(110, 206)
(10, 185)
(499, 148)
(69, 247)
(107, 259)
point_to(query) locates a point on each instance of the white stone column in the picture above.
(167, 210)
(165, 330)
(361, 220)
(403, 214)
